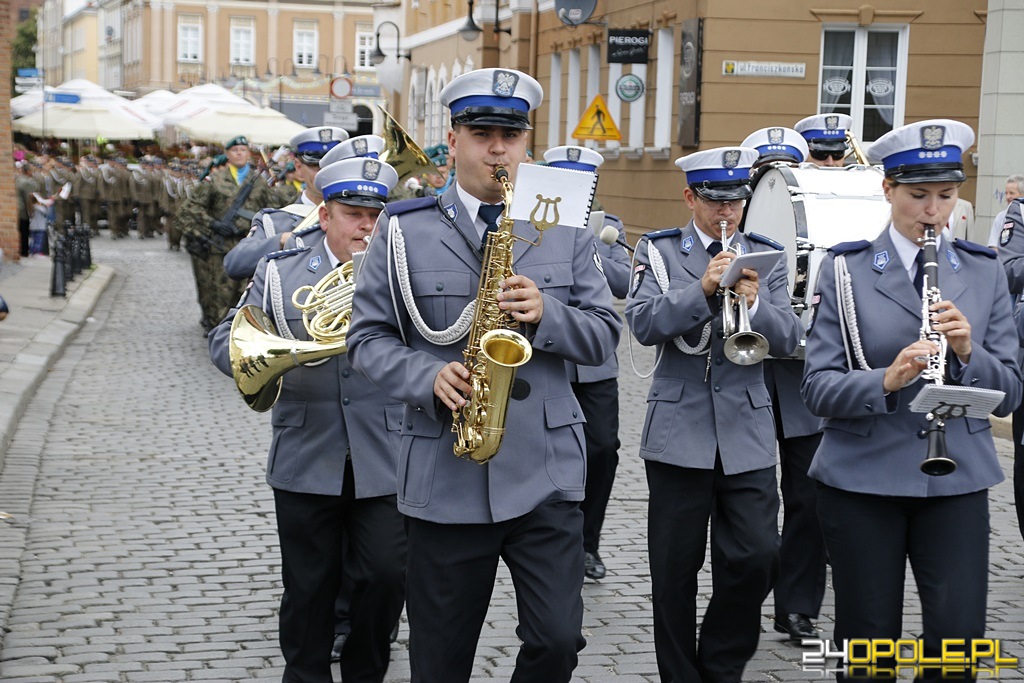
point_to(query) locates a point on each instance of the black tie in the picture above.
(715, 248)
(490, 213)
(919, 275)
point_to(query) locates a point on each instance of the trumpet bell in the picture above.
(746, 348)
(259, 357)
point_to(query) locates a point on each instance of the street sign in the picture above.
(597, 123)
(347, 120)
(25, 88)
(22, 80)
(341, 87)
(28, 73)
(338, 106)
(63, 98)
(365, 90)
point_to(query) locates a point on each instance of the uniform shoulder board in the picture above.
(309, 229)
(286, 252)
(667, 232)
(408, 205)
(612, 217)
(974, 248)
(765, 240)
(849, 247)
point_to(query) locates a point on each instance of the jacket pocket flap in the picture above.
(418, 423)
(548, 274)
(977, 424)
(561, 411)
(758, 395)
(440, 283)
(858, 427)
(393, 414)
(665, 389)
(289, 414)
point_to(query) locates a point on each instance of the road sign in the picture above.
(597, 123)
(22, 80)
(341, 87)
(63, 98)
(28, 73)
(338, 106)
(347, 120)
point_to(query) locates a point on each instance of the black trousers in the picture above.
(743, 510)
(1018, 465)
(869, 539)
(23, 236)
(452, 568)
(310, 528)
(600, 404)
(802, 557)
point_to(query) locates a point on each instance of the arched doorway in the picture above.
(365, 126)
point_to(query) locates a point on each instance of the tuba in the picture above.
(402, 152)
(493, 351)
(260, 356)
(858, 152)
(743, 346)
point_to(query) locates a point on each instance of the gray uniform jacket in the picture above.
(1011, 246)
(614, 261)
(871, 443)
(786, 374)
(240, 262)
(688, 418)
(542, 456)
(325, 410)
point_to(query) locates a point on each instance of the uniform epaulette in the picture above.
(849, 247)
(307, 230)
(667, 232)
(765, 240)
(286, 252)
(612, 217)
(407, 205)
(974, 248)
(297, 209)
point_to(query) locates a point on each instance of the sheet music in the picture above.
(961, 401)
(557, 195)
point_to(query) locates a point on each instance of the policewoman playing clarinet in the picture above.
(876, 504)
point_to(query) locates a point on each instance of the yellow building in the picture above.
(710, 72)
(79, 49)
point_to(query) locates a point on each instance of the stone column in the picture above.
(211, 42)
(1000, 124)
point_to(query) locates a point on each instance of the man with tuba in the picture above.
(522, 506)
(271, 227)
(332, 458)
(709, 436)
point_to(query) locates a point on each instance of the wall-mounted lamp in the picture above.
(377, 56)
(470, 30)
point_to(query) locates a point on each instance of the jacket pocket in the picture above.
(662, 399)
(418, 457)
(764, 420)
(554, 279)
(393, 414)
(977, 424)
(565, 443)
(442, 294)
(287, 420)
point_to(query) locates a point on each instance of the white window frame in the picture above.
(190, 24)
(243, 41)
(860, 51)
(365, 40)
(555, 100)
(304, 32)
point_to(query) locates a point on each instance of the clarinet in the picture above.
(937, 462)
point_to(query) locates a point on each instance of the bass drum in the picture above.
(808, 209)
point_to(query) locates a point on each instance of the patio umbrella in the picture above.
(261, 126)
(81, 122)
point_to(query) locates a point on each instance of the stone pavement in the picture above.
(140, 543)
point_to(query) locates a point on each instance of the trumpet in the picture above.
(743, 346)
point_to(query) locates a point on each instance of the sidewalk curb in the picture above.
(31, 365)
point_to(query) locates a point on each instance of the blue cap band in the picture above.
(714, 175)
(315, 147)
(489, 101)
(574, 165)
(368, 155)
(355, 186)
(950, 154)
(819, 133)
(766, 150)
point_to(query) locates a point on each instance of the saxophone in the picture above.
(494, 351)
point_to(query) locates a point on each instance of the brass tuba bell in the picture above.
(402, 153)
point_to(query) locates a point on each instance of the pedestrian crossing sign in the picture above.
(597, 123)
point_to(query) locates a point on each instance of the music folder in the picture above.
(947, 401)
(761, 261)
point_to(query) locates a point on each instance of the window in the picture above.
(23, 14)
(305, 44)
(863, 74)
(190, 38)
(364, 46)
(243, 30)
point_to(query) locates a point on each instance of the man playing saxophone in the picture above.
(410, 327)
(332, 458)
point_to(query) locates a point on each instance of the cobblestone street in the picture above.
(143, 533)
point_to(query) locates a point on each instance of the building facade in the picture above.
(710, 72)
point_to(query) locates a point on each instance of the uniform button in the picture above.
(695, 316)
(345, 401)
(718, 361)
(574, 413)
(974, 380)
(654, 393)
(439, 286)
(345, 373)
(548, 343)
(717, 388)
(408, 426)
(547, 278)
(868, 406)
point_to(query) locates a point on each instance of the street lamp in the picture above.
(344, 60)
(280, 78)
(316, 67)
(377, 56)
(470, 30)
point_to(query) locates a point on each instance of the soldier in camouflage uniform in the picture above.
(209, 233)
(86, 189)
(115, 177)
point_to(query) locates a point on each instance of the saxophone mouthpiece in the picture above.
(500, 174)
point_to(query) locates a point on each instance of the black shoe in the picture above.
(797, 626)
(339, 645)
(593, 567)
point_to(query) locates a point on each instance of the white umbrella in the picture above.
(262, 126)
(200, 100)
(81, 122)
(90, 95)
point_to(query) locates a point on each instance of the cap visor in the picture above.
(942, 175)
(358, 200)
(493, 120)
(724, 194)
(827, 145)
